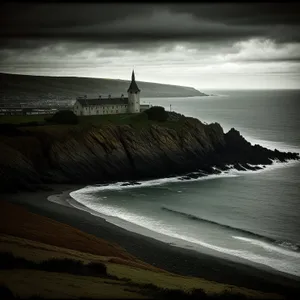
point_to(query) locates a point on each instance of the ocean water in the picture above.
(250, 215)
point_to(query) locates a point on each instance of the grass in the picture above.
(51, 249)
(47, 231)
(175, 282)
(128, 276)
(62, 265)
(61, 285)
(21, 119)
(137, 121)
(75, 267)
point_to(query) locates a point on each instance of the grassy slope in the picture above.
(71, 87)
(138, 121)
(37, 238)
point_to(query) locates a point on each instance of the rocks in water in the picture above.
(120, 153)
(215, 170)
(252, 168)
(239, 167)
(131, 183)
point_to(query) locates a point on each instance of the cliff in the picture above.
(25, 87)
(31, 156)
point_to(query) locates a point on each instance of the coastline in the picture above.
(160, 254)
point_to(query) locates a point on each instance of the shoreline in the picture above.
(66, 199)
(160, 254)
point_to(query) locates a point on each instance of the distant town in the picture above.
(34, 107)
(80, 106)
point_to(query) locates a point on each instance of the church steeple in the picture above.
(133, 88)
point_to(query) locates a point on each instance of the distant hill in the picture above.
(22, 87)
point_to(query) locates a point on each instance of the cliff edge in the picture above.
(35, 155)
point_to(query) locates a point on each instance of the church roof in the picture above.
(104, 101)
(133, 88)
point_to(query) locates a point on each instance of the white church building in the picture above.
(104, 106)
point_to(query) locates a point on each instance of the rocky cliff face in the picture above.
(113, 153)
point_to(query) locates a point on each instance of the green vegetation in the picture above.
(66, 119)
(62, 265)
(123, 279)
(148, 291)
(63, 117)
(157, 113)
(97, 269)
(21, 119)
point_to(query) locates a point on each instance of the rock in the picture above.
(130, 183)
(252, 168)
(114, 153)
(239, 167)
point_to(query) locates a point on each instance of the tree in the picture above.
(157, 113)
(63, 117)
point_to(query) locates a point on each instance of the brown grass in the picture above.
(37, 238)
(60, 285)
(17, 221)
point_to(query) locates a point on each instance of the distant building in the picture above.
(104, 106)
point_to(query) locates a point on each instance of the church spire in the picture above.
(133, 88)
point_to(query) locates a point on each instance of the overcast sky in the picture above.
(207, 46)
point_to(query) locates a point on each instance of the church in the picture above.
(105, 106)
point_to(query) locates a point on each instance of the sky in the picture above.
(206, 46)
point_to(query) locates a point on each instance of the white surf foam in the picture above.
(268, 247)
(85, 197)
(276, 164)
(148, 183)
(162, 230)
(232, 172)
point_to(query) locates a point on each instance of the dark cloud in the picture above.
(284, 59)
(245, 13)
(139, 26)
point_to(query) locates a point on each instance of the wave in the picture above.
(198, 176)
(273, 248)
(284, 244)
(167, 233)
(190, 177)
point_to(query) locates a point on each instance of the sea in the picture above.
(253, 216)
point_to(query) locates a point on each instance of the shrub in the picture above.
(62, 265)
(48, 119)
(9, 261)
(10, 130)
(32, 123)
(63, 117)
(72, 266)
(157, 113)
(198, 294)
(6, 293)
(96, 269)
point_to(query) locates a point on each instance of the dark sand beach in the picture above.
(171, 258)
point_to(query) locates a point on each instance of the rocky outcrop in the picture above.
(29, 158)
